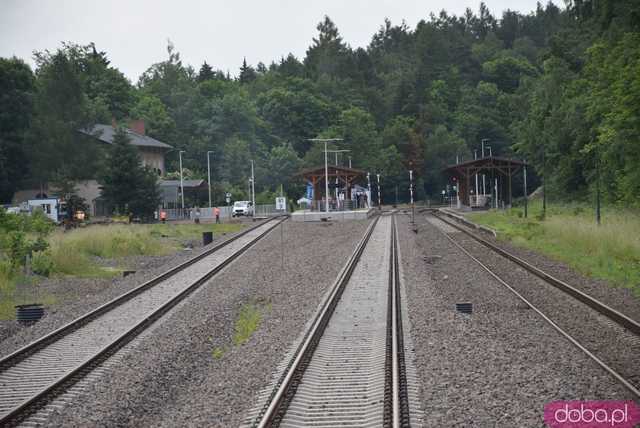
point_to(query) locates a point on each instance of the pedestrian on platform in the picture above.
(216, 211)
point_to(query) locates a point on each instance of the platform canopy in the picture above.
(493, 167)
(346, 178)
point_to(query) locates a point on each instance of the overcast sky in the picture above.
(134, 33)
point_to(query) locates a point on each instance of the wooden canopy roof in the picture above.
(504, 166)
(333, 170)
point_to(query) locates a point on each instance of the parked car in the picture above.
(242, 208)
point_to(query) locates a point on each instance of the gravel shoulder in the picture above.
(618, 297)
(188, 371)
(73, 297)
(496, 367)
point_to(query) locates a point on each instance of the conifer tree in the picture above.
(206, 72)
(247, 73)
(126, 185)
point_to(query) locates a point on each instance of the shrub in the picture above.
(18, 248)
(41, 263)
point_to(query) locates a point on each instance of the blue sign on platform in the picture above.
(309, 191)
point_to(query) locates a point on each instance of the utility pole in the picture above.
(326, 167)
(336, 152)
(475, 156)
(526, 197)
(369, 186)
(253, 190)
(379, 196)
(181, 180)
(413, 208)
(544, 184)
(598, 191)
(336, 179)
(209, 175)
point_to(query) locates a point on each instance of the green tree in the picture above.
(126, 185)
(158, 123)
(328, 54)
(247, 73)
(17, 87)
(62, 108)
(206, 72)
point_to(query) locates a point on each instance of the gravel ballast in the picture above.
(496, 367)
(73, 297)
(613, 344)
(188, 371)
(618, 297)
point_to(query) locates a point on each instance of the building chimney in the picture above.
(137, 126)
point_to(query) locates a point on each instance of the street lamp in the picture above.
(336, 152)
(181, 180)
(379, 198)
(209, 175)
(253, 190)
(483, 141)
(326, 167)
(413, 208)
(369, 187)
(475, 156)
(526, 198)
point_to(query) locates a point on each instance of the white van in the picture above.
(244, 208)
(50, 207)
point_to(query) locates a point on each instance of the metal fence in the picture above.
(340, 205)
(225, 212)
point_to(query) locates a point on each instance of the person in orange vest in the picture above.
(216, 211)
(163, 216)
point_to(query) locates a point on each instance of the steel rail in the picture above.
(628, 385)
(403, 411)
(278, 401)
(395, 372)
(72, 376)
(609, 312)
(73, 325)
(396, 408)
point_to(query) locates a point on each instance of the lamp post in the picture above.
(326, 167)
(526, 198)
(475, 156)
(209, 175)
(369, 187)
(411, 195)
(483, 141)
(379, 198)
(181, 180)
(336, 152)
(484, 184)
(253, 190)
(598, 216)
(544, 183)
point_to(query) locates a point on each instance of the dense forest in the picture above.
(557, 87)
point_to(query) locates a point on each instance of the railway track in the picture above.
(568, 319)
(350, 367)
(42, 370)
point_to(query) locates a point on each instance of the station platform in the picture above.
(307, 215)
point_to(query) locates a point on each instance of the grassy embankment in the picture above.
(569, 234)
(77, 253)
